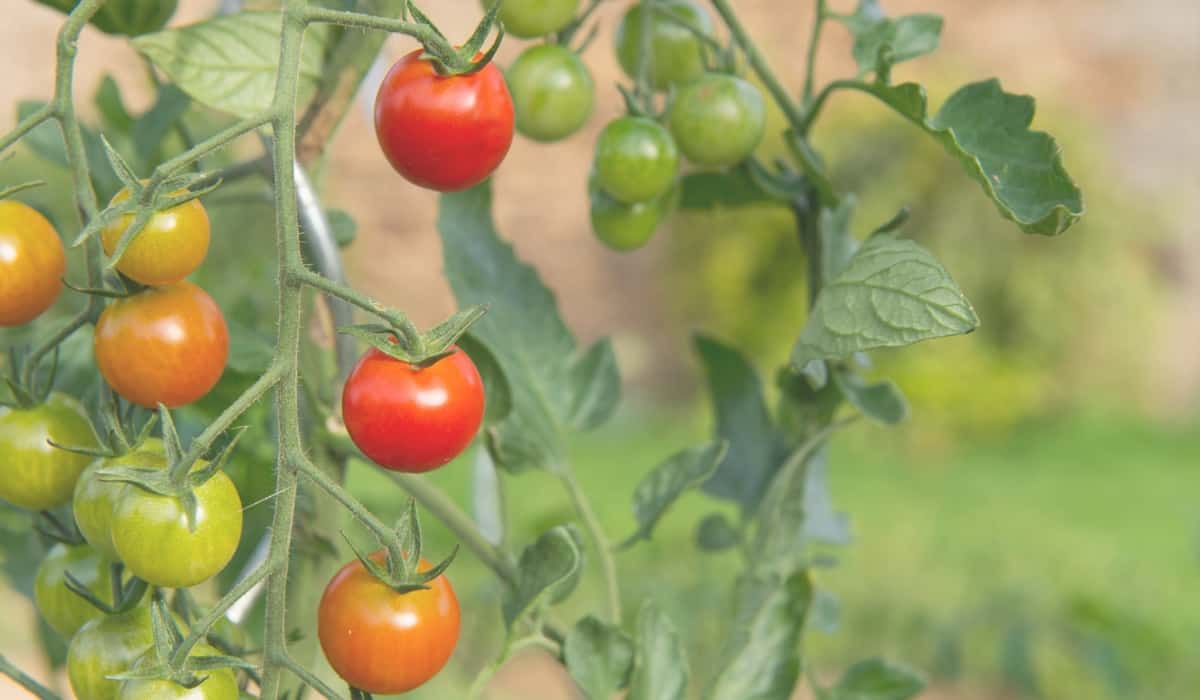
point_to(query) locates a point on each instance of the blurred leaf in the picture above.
(907, 37)
(496, 391)
(153, 126)
(875, 679)
(112, 106)
(838, 245)
(595, 385)
(599, 657)
(821, 520)
(731, 189)
(755, 446)
(764, 650)
(552, 560)
(249, 352)
(715, 533)
(659, 489)
(881, 401)
(229, 63)
(893, 293)
(524, 332)
(46, 141)
(487, 504)
(344, 227)
(661, 667)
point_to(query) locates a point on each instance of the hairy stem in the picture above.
(201, 627)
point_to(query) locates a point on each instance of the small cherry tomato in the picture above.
(62, 608)
(676, 53)
(626, 227)
(413, 419)
(33, 473)
(718, 120)
(163, 345)
(382, 641)
(170, 247)
(552, 90)
(32, 263)
(446, 133)
(104, 647)
(95, 499)
(219, 684)
(636, 160)
(160, 544)
(530, 19)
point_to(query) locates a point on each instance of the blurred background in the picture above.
(1032, 532)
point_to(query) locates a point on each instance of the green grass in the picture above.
(1063, 562)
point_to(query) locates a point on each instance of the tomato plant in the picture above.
(718, 120)
(170, 246)
(552, 92)
(95, 499)
(636, 160)
(33, 473)
(219, 684)
(104, 647)
(31, 263)
(676, 55)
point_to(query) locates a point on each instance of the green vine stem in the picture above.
(25, 681)
(810, 67)
(604, 550)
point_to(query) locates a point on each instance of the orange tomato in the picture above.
(31, 263)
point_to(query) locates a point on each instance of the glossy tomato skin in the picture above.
(59, 606)
(382, 641)
(718, 120)
(636, 160)
(413, 419)
(530, 19)
(443, 133)
(552, 91)
(95, 499)
(170, 247)
(626, 227)
(677, 56)
(152, 536)
(34, 474)
(220, 684)
(163, 345)
(32, 263)
(107, 646)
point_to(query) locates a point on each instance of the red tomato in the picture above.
(413, 419)
(446, 133)
(31, 263)
(163, 345)
(382, 641)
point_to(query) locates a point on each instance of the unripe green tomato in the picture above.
(530, 19)
(107, 646)
(676, 54)
(62, 609)
(552, 91)
(95, 498)
(626, 227)
(127, 17)
(636, 160)
(33, 473)
(220, 684)
(718, 120)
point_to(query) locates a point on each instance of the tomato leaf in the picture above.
(345, 228)
(660, 665)
(881, 401)
(553, 387)
(229, 63)
(904, 37)
(599, 657)
(728, 189)
(153, 126)
(892, 293)
(498, 395)
(875, 679)
(755, 445)
(112, 108)
(659, 489)
(715, 533)
(548, 567)
(838, 245)
(763, 651)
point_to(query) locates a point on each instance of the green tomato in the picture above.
(718, 120)
(33, 474)
(676, 53)
(107, 646)
(95, 499)
(153, 534)
(552, 92)
(127, 17)
(62, 609)
(636, 160)
(530, 19)
(626, 227)
(220, 684)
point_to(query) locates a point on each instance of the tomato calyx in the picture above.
(126, 595)
(160, 662)
(402, 341)
(397, 564)
(449, 60)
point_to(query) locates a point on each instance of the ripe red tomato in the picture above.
(382, 641)
(31, 263)
(413, 419)
(170, 247)
(164, 345)
(446, 133)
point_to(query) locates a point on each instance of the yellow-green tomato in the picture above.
(219, 684)
(552, 91)
(107, 646)
(170, 247)
(95, 499)
(33, 473)
(530, 19)
(718, 120)
(62, 608)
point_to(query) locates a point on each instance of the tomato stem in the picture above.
(604, 550)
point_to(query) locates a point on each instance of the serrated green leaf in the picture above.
(551, 561)
(893, 293)
(881, 401)
(229, 63)
(661, 667)
(755, 446)
(595, 386)
(659, 489)
(715, 533)
(876, 679)
(763, 651)
(907, 37)
(599, 658)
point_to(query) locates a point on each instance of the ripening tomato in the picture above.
(60, 607)
(107, 646)
(413, 419)
(718, 120)
(552, 90)
(382, 641)
(530, 19)
(169, 248)
(219, 684)
(95, 499)
(158, 542)
(446, 133)
(163, 345)
(636, 160)
(676, 53)
(33, 473)
(32, 263)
